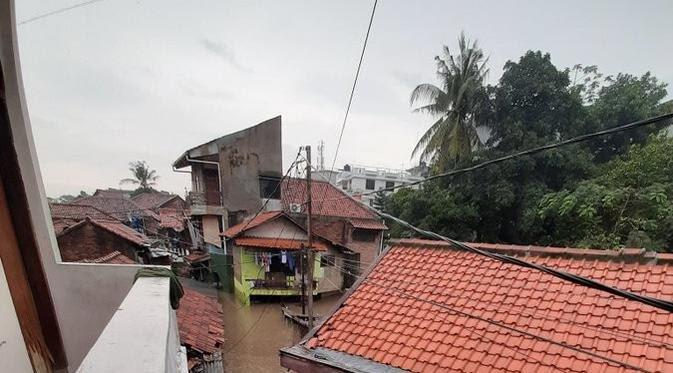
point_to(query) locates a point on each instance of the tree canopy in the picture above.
(610, 192)
(142, 176)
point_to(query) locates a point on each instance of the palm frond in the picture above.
(427, 93)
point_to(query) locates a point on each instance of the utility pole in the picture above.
(309, 254)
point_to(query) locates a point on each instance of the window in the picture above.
(327, 260)
(344, 184)
(390, 184)
(269, 187)
(370, 184)
(364, 235)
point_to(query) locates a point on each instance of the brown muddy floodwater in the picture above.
(253, 334)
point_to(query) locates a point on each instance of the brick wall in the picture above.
(89, 241)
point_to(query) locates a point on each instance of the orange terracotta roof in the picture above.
(278, 243)
(249, 224)
(118, 207)
(153, 199)
(75, 211)
(328, 200)
(115, 227)
(114, 257)
(172, 218)
(426, 307)
(65, 215)
(368, 224)
(123, 231)
(200, 322)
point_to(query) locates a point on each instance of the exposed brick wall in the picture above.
(89, 241)
(338, 230)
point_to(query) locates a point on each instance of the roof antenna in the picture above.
(321, 155)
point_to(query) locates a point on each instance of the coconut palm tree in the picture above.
(142, 175)
(453, 136)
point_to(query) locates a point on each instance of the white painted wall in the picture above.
(85, 295)
(281, 228)
(141, 336)
(13, 353)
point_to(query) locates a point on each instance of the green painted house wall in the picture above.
(249, 270)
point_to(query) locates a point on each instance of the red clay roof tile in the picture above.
(446, 336)
(328, 200)
(278, 243)
(200, 320)
(252, 223)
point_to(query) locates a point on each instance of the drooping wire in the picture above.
(493, 322)
(57, 11)
(350, 98)
(520, 309)
(539, 149)
(510, 328)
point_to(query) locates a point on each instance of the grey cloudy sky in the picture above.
(123, 80)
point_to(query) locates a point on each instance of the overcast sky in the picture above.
(124, 80)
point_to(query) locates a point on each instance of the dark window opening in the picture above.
(364, 235)
(269, 187)
(390, 184)
(370, 184)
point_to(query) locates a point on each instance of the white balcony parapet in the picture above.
(142, 336)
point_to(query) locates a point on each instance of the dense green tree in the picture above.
(143, 176)
(630, 203)
(626, 99)
(455, 104)
(606, 193)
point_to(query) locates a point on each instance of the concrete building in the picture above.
(357, 180)
(231, 175)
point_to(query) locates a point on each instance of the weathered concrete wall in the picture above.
(253, 152)
(211, 229)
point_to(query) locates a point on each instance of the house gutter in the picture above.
(219, 188)
(219, 175)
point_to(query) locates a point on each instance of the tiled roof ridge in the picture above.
(70, 204)
(103, 258)
(141, 239)
(344, 196)
(136, 207)
(640, 255)
(253, 222)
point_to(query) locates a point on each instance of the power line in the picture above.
(658, 303)
(287, 173)
(539, 149)
(242, 338)
(350, 98)
(493, 322)
(623, 335)
(58, 11)
(510, 328)
(576, 279)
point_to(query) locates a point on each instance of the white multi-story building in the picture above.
(358, 180)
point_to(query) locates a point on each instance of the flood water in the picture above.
(254, 333)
